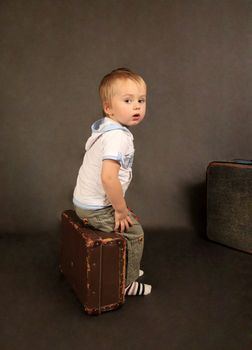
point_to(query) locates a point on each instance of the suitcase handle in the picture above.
(243, 161)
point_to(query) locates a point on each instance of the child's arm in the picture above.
(113, 189)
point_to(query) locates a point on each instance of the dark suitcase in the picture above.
(229, 203)
(94, 263)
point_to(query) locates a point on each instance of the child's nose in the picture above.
(137, 105)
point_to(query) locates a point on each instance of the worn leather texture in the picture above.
(93, 263)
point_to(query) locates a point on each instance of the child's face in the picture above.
(128, 104)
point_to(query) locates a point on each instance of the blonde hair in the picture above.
(107, 83)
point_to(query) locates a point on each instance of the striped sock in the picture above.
(136, 288)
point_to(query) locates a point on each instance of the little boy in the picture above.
(106, 171)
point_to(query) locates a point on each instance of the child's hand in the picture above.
(122, 221)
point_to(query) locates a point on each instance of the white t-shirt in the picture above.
(109, 140)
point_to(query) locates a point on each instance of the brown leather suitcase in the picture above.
(94, 264)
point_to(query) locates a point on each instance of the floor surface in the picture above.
(201, 298)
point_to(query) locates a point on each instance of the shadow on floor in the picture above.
(197, 199)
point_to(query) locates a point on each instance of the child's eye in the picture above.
(142, 100)
(128, 100)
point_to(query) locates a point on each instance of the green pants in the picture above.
(104, 220)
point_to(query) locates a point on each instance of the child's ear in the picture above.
(107, 108)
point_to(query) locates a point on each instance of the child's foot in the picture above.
(136, 288)
(141, 273)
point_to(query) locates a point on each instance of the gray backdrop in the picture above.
(196, 59)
